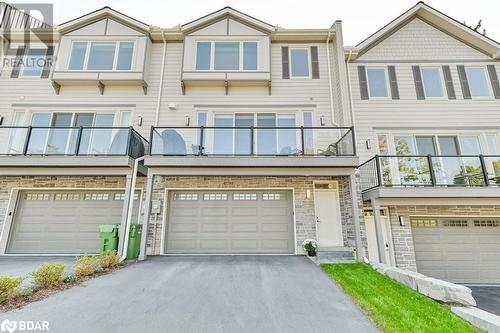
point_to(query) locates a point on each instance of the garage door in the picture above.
(230, 222)
(63, 222)
(462, 250)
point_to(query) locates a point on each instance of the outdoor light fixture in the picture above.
(322, 120)
(368, 144)
(171, 106)
(308, 194)
(401, 220)
(138, 122)
(1, 121)
(187, 120)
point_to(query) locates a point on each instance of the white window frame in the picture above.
(486, 77)
(309, 68)
(115, 57)
(241, 56)
(387, 83)
(441, 77)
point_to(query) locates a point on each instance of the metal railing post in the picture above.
(26, 142)
(252, 142)
(200, 147)
(151, 140)
(379, 174)
(354, 152)
(431, 170)
(302, 140)
(485, 172)
(129, 146)
(78, 140)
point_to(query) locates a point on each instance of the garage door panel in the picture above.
(241, 223)
(184, 211)
(458, 254)
(185, 227)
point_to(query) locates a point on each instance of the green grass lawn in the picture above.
(392, 306)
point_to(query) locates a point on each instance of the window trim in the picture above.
(240, 59)
(309, 67)
(486, 78)
(387, 83)
(115, 56)
(441, 77)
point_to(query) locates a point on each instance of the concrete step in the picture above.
(338, 256)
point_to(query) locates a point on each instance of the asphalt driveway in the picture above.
(204, 294)
(487, 298)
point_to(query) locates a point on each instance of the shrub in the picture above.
(99, 269)
(49, 275)
(8, 286)
(109, 259)
(25, 292)
(70, 278)
(86, 265)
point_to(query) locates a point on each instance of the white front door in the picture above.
(371, 239)
(328, 223)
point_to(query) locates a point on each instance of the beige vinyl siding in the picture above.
(418, 40)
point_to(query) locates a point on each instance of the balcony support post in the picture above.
(200, 147)
(379, 171)
(26, 143)
(379, 232)
(78, 140)
(485, 171)
(431, 170)
(356, 216)
(126, 203)
(302, 140)
(252, 146)
(147, 214)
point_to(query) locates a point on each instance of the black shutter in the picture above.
(48, 62)
(463, 82)
(419, 87)
(494, 81)
(393, 82)
(314, 62)
(450, 89)
(17, 62)
(363, 85)
(285, 62)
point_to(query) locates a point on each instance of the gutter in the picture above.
(130, 207)
(160, 89)
(351, 100)
(332, 110)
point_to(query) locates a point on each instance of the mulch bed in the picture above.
(38, 294)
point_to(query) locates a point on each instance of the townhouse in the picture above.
(227, 135)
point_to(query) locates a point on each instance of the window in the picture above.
(455, 223)
(433, 86)
(227, 56)
(34, 62)
(299, 62)
(425, 145)
(423, 223)
(96, 196)
(478, 84)
(487, 223)
(245, 196)
(101, 56)
(272, 196)
(215, 196)
(185, 196)
(67, 197)
(492, 144)
(377, 82)
(37, 196)
(405, 145)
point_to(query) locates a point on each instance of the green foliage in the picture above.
(70, 278)
(25, 292)
(49, 275)
(86, 265)
(109, 259)
(99, 269)
(8, 287)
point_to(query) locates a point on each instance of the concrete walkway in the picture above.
(204, 294)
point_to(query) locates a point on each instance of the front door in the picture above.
(328, 224)
(371, 238)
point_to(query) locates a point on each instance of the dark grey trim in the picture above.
(227, 27)
(106, 27)
(285, 63)
(403, 61)
(464, 83)
(52, 105)
(419, 86)
(494, 81)
(448, 80)
(254, 105)
(314, 63)
(393, 81)
(363, 83)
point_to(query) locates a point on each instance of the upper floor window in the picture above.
(34, 62)
(432, 82)
(226, 56)
(299, 61)
(101, 56)
(478, 83)
(377, 82)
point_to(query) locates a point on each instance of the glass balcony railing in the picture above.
(72, 141)
(252, 141)
(412, 171)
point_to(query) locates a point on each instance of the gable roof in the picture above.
(227, 12)
(105, 12)
(439, 20)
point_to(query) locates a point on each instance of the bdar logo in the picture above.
(8, 326)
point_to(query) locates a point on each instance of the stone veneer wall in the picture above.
(404, 250)
(304, 208)
(72, 182)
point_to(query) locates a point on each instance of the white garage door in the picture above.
(63, 222)
(462, 250)
(230, 222)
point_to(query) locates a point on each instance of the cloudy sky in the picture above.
(360, 18)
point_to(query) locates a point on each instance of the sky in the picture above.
(360, 18)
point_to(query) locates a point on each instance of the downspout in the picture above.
(162, 72)
(3, 48)
(130, 207)
(351, 100)
(332, 110)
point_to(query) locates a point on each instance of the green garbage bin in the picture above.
(134, 241)
(108, 233)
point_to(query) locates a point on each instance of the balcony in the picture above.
(432, 175)
(53, 146)
(253, 146)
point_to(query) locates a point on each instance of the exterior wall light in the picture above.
(401, 220)
(322, 120)
(368, 144)
(187, 120)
